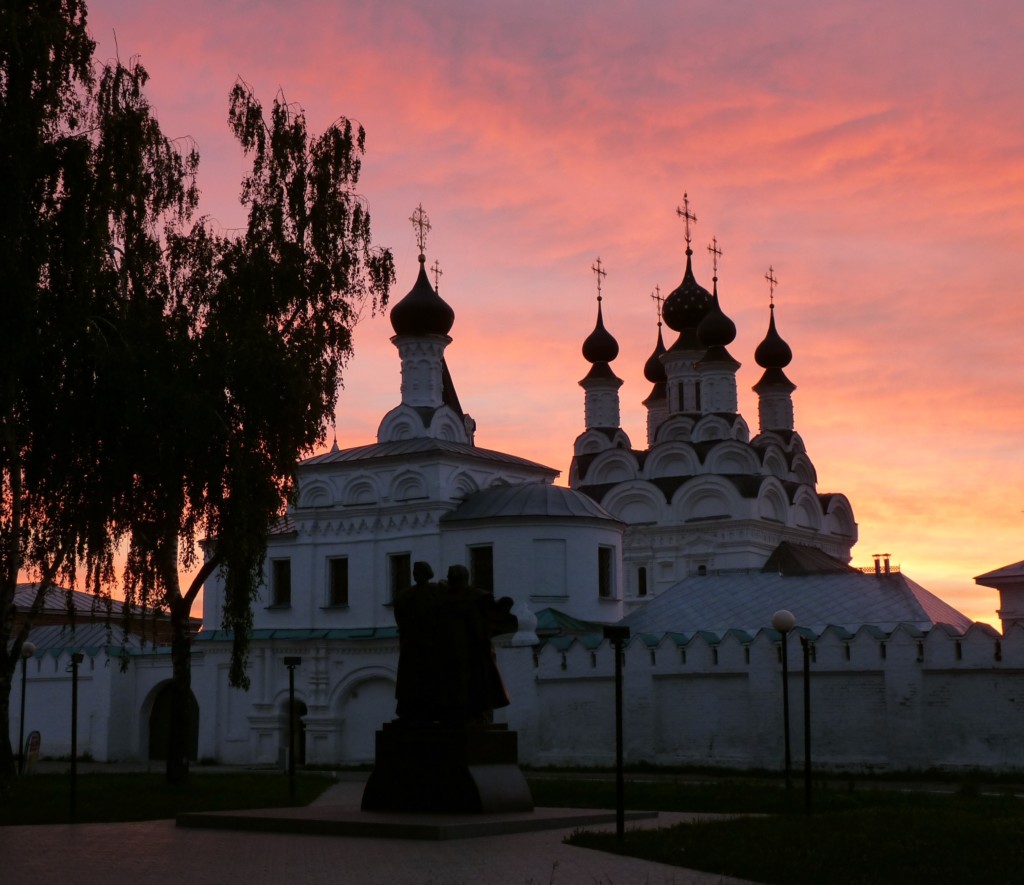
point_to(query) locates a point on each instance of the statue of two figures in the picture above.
(447, 673)
(443, 753)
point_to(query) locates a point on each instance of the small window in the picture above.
(641, 581)
(337, 576)
(400, 568)
(606, 572)
(281, 582)
(481, 567)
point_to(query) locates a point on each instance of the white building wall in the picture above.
(938, 701)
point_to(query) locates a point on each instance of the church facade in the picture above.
(692, 540)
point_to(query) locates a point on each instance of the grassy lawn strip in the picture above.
(919, 839)
(108, 798)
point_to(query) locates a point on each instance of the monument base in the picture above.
(443, 768)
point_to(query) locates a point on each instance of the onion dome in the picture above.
(688, 303)
(716, 329)
(600, 346)
(654, 370)
(773, 352)
(422, 311)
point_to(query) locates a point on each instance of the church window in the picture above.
(696, 397)
(400, 571)
(337, 581)
(281, 582)
(481, 567)
(641, 581)
(606, 572)
(550, 577)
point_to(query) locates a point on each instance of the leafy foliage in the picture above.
(163, 379)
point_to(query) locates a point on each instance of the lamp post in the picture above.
(76, 659)
(784, 621)
(617, 636)
(27, 650)
(805, 644)
(291, 663)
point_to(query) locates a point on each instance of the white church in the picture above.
(692, 540)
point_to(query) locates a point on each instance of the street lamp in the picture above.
(805, 644)
(291, 663)
(76, 659)
(27, 650)
(618, 635)
(784, 621)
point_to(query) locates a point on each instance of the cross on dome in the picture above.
(599, 272)
(687, 216)
(772, 283)
(422, 224)
(435, 269)
(658, 301)
(716, 253)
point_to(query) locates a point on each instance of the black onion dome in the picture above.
(773, 352)
(600, 346)
(654, 370)
(422, 311)
(687, 304)
(716, 328)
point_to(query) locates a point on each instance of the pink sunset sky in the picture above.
(871, 152)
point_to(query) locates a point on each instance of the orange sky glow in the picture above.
(872, 153)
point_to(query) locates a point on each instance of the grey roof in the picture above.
(296, 634)
(534, 500)
(57, 601)
(747, 601)
(421, 445)
(90, 638)
(88, 604)
(1014, 571)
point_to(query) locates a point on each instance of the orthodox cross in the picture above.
(435, 269)
(716, 253)
(658, 300)
(685, 213)
(599, 272)
(772, 283)
(422, 224)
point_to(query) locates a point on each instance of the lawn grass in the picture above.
(108, 798)
(862, 836)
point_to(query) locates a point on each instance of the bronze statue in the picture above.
(447, 671)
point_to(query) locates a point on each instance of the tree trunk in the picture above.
(8, 770)
(179, 740)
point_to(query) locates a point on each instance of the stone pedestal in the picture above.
(442, 768)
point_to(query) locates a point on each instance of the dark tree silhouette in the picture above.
(159, 380)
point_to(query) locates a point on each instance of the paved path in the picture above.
(158, 852)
